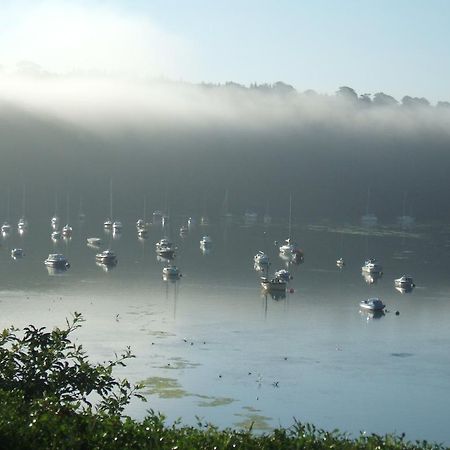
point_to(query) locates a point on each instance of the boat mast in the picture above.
(290, 216)
(145, 208)
(8, 204)
(23, 201)
(110, 199)
(67, 208)
(368, 200)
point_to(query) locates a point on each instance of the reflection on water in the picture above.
(213, 345)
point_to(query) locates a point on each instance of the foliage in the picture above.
(42, 364)
(44, 383)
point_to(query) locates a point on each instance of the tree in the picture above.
(414, 102)
(347, 93)
(382, 99)
(42, 364)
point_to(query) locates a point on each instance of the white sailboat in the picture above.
(23, 223)
(67, 229)
(290, 250)
(6, 226)
(108, 223)
(369, 219)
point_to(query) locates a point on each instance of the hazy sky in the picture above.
(400, 47)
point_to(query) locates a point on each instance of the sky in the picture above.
(398, 47)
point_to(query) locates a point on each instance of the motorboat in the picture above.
(261, 259)
(404, 281)
(171, 271)
(340, 263)
(141, 224)
(371, 266)
(66, 230)
(371, 277)
(106, 257)
(165, 248)
(165, 221)
(17, 253)
(205, 242)
(273, 284)
(191, 222)
(283, 275)
(94, 241)
(57, 260)
(372, 304)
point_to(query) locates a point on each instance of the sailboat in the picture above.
(54, 221)
(226, 208)
(6, 227)
(405, 220)
(67, 229)
(108, 223)
(141, 224)
(81, 214)
(369, 219)
(290, 250)
(22, 224)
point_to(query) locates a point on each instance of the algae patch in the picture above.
(163, 387)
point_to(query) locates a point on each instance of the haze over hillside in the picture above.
(186, 144)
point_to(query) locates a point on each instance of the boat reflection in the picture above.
(371, 278)
(165, 259)
(274, 295)
(106, 267)
(405, 289)
(369, 315)
(52, 271)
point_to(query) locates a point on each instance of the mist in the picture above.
(183, 145)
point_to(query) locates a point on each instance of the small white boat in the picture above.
(6, 228)
(204, 221)
(142, 233)
(283, 275)
(273, 284)
(107, 224)
(157, 217)
(205, 242)
(404, 281)
(106, 257)
(191, 222)
(250, 217)
(66, 230)
(117, 226)
(171, 271)
(291, 250)
(22, 224)
(57, 260)
(261, 259)
(141, 224)
(340, 263)
(94, 241)
(17, 253)
(372, 304)
(184, 230)
(165, 248)
(54, 222)
(371, 266)
(56, 235)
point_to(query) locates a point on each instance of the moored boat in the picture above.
(57, 260)
(372, 304)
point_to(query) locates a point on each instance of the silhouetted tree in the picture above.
(382, 99)
(283, 88)
(443, 105)
(347, 93)
(414, 102)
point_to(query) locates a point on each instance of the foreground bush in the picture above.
(47, 386)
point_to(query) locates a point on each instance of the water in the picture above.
(213, 346)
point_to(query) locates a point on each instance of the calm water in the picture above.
(211, 345)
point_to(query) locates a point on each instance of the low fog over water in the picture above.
(183, 146)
